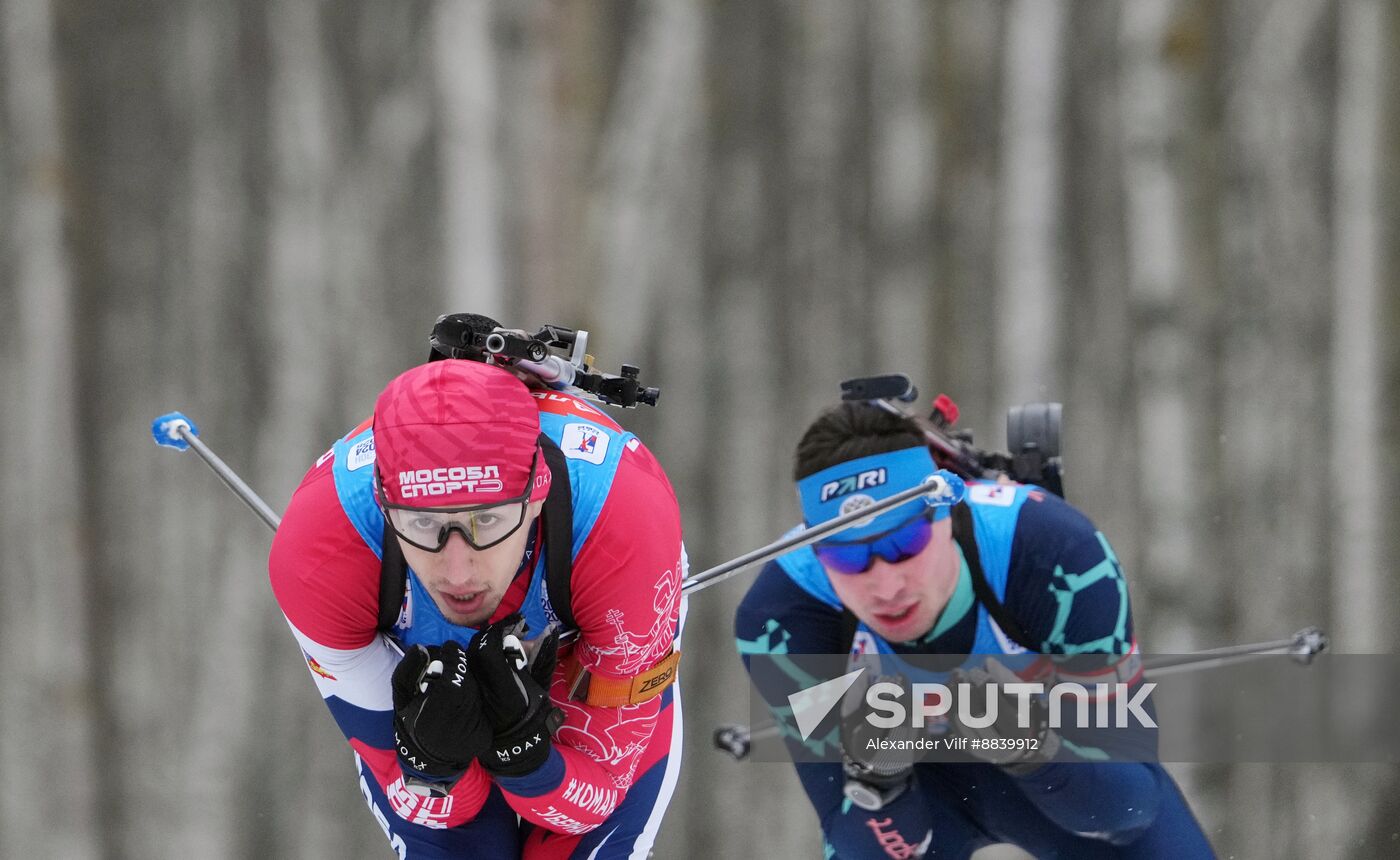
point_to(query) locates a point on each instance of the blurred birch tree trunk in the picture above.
(1356, 324)
(52, 677)
(903, 162)
(1272, 200)
(1029, 274)
(966, 56)
(1165, 361)
(1360, 561)
(466, 64)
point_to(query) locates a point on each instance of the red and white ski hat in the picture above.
(457, 433)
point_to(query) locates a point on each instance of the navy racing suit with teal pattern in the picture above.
(1059, 578)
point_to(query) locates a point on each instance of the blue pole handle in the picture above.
(166, 430)
(175, 430)
(954, 490)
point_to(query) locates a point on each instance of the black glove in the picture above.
(439, 721)
(876, 777)
(1017, 749)
(514, 697)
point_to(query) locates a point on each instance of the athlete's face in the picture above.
(902, 601)
(468, 584)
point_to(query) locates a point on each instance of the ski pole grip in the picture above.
(171, 430)
(175, 430)
(734, 740)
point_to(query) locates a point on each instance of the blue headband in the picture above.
(833, 491)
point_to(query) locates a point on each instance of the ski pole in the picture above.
(943, 488)
(737, 739)
(1302, 646)
(174, 430)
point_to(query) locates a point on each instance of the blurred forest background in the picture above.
(1176, 216)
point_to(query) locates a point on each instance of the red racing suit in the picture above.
(612, 770)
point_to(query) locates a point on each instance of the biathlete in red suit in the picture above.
(462, 749)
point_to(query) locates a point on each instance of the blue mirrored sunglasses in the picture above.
(898, 544)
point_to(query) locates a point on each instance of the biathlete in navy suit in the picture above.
(907, 582)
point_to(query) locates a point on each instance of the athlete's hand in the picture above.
(878, 764)
(1020, 750)
(515, 697)
(439, 722)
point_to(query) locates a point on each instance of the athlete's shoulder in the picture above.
(638, 518)
(1047, 525)
(610, 467)
(323, 575)
(1065, 583)
(778, 616)
(628, 571)
(639, 468)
